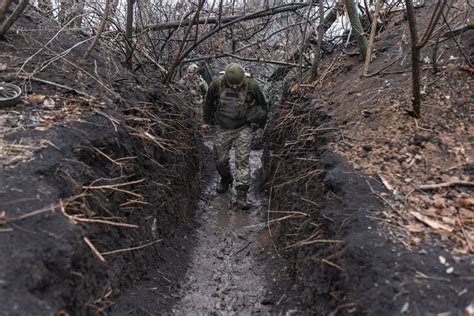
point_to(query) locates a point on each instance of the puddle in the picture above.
(224, 276)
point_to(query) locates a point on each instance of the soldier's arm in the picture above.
(260, 100)
(210, 103)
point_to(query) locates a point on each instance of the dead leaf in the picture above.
(37, 98)
(465, 200)
(438, 201)
(294, 88)
(49, 103)
(431, 222)
(3, 67)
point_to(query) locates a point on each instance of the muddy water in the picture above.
(225, 276)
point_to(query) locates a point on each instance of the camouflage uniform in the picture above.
(233, 111)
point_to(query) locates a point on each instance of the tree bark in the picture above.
(5, 26)
(372, 36)
(357, 29)
(314, 67)
(128, 35)
(99, 30)
(4, 5)
(415, 59)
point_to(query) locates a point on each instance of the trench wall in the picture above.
(45, 265)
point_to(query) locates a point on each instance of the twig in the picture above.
(387, 202)
(46, 209)
(332, 264)
(446, 184)
(382, 69)
(130, 249)
(243, 248)
(94, 249)
(110, 186)
(101, 221)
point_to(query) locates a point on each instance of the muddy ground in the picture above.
(79, 172)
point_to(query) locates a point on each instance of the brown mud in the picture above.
(230, 269)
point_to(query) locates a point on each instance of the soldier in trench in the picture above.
(233, 102)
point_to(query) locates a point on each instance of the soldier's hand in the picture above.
(259, 133)
(205, 128)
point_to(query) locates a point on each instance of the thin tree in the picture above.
(128, 35)
(415, 59)
(416, 47)
(368, 57)
(317, 57)
(4, 5)
(8, 22)
(357, 29)
(99, 30)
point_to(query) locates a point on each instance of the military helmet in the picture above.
(234, 74)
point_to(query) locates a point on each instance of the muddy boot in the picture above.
(241, 200)
(223, 186)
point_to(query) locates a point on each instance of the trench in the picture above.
(226, 274)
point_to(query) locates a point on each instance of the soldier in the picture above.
(233, 101)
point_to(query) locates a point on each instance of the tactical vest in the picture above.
(232, 108)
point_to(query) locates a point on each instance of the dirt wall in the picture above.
(82, 170)
(341, 262)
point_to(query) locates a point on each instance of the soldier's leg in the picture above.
(242, 169)
(222, 145)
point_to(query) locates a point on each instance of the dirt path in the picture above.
(225, 274)
(223, 263)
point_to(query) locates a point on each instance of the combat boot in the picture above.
(241, 199)
(223, 186)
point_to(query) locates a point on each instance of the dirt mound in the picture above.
(100, 170)
(345, 162)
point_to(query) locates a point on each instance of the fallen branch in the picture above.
(446, 185)
(94, 249)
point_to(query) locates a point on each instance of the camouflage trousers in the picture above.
(240, 139)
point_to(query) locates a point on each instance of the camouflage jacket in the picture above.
(255, 102)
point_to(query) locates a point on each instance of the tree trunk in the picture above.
(12, 18)
(415, 59)
(372, 37)
(4, 5)
(357, 29)
(128, 35)
(99, 30)
(317, 57)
